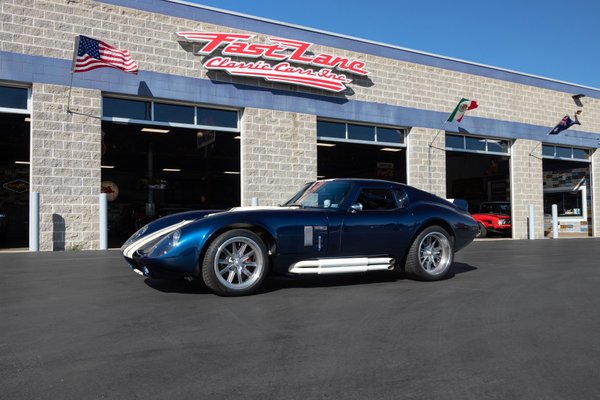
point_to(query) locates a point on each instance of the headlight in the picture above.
(164, 245)
(135, 236)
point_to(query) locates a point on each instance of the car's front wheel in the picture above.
(235, 263)
(430, 255)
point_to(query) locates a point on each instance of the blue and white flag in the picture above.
(564, 123)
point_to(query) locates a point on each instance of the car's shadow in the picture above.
(275, 283)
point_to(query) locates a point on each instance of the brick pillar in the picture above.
(527, 187)
(594, 208)
(279, 154)
(426, 165)
(65, 166)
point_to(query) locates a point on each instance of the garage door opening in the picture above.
(478, 171)
(567, 184)
(149, 171)
(14, 167)
(360, 151)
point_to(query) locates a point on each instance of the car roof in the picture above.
(363, 181)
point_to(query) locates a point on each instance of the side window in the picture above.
(401, 197)
(377, 199)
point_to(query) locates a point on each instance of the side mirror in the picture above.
(356, 207)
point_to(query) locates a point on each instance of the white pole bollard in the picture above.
(255, 202)
(531, 222)
(554, 221)
(103, 221)
(34, 221)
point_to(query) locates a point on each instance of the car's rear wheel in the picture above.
(430, 255)
(235, 263)
(482, 231)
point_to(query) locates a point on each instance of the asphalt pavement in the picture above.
(517, 320)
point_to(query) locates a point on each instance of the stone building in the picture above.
(227, 108)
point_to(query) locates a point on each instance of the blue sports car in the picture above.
(329, 227)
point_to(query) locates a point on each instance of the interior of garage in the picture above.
(150, 171)
(478, 178)
(357, 160)
(14, 180)
(567, 184)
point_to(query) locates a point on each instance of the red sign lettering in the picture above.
(286, 51)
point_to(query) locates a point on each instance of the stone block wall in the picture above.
(279, 154)
(65, 166)
(278, 148)
(595, 206)
(48, 28)
(527, 187)
(426, 160)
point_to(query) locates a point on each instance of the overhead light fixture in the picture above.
(22, 162)
(171, 170)
(577, 99)
(238, 137)
(156, 130)
(391, 149)
(27, 119)
(107, 166)
(320, 176)
(326, 144)
(231, 172)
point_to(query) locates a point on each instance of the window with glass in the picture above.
(390, 135)
(168, 113)
(321, 194)
(372, 134)
(214, 117)
(476, 144)
(125, 108)
(570, 203)
(377, 199)
(361, 132)
(565, 152)
(173, 113)
(13, 97)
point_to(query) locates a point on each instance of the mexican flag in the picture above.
(460, 109)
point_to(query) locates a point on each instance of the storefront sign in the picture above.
(17, 186)
(275, 61)
(111, 189)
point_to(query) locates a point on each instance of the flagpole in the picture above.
(429, 152)
(470, 105)
(70, 89)
(75, 51)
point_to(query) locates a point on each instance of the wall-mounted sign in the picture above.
(275, 61)
(385, 170)
(17, 186)
(111, 189)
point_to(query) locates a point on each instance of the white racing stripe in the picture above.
(133, 247)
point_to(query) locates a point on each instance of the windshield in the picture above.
(321, 194)
(495, 208)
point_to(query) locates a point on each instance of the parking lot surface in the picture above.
(517, 320)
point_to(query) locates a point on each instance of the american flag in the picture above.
(92, 54)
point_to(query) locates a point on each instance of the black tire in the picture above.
(431, 255)
(482, 231)
(235, 263)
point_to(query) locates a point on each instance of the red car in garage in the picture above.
(493, 216)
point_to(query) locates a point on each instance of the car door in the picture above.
(378, 223)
